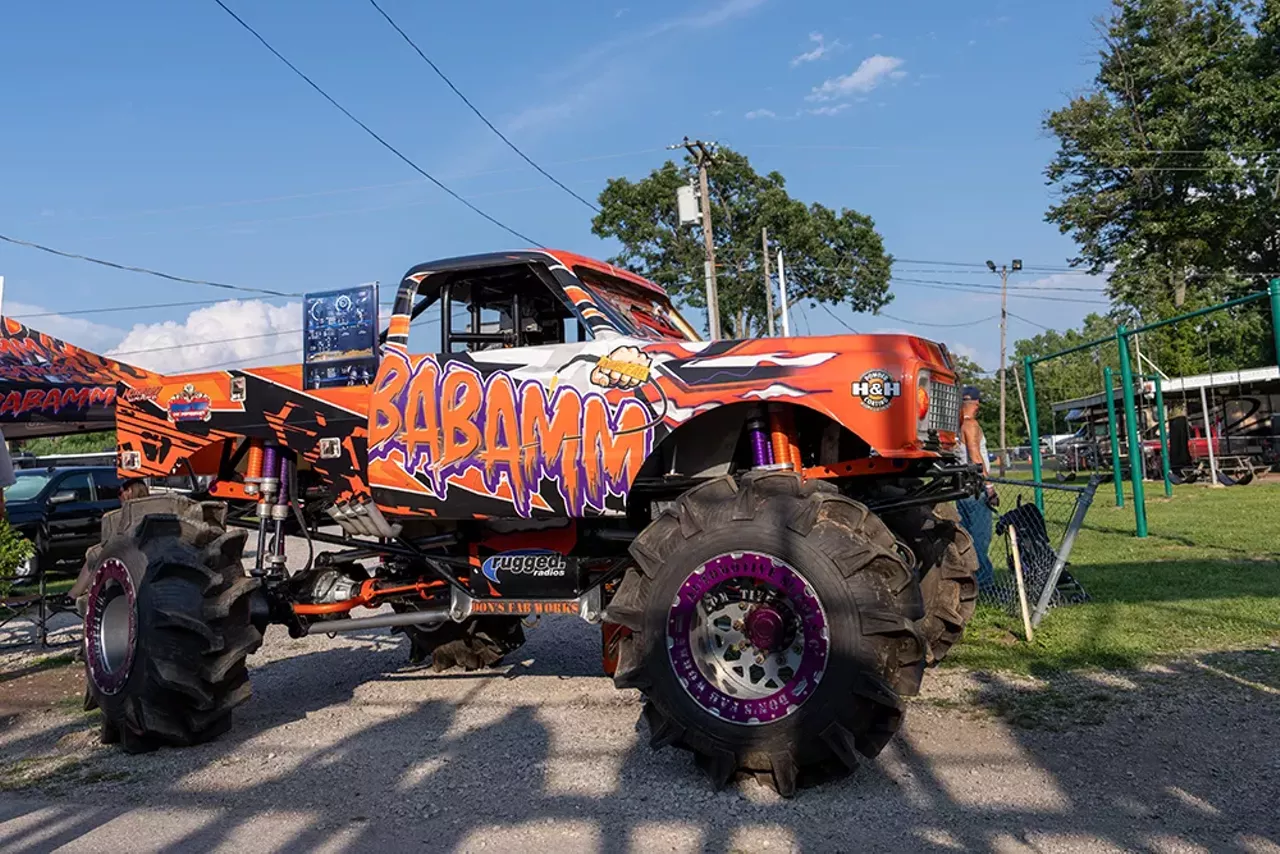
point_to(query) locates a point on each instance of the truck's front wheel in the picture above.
(772, 629)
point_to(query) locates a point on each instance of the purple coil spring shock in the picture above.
(761, 450)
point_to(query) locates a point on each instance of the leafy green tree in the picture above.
(73, 443)
(1167, 168)
(831, 257)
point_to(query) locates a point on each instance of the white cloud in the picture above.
(831, 110)
(91, 336)
(820, 49)
(713, 17)
(235, 333)
(761, 114)
(870, 73)
(1070, 281)
(601, 73)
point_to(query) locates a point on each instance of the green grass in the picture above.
(1206, 578)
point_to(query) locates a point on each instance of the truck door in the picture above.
(74, 519)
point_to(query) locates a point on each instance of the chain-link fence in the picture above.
(1046, 532)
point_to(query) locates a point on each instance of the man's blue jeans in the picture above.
(977, 519)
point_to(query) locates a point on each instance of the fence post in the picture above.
(1274, 289)
(1113, 435)
(1164, 439)
(1033, 429)
(1131, 429)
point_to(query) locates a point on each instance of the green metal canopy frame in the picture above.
(1122, 336)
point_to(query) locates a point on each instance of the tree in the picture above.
(831, 257)
(1169, 167)
(72, 443)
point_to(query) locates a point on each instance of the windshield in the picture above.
(27, 486)
(635, 311)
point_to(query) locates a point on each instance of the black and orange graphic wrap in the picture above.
(538, 432)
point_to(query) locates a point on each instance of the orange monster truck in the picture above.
(762, 528)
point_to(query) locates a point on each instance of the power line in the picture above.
(388, 146)
(475, 109)
(337, 190)
(118, 308)
(113, 309)
(1024, 287)
(959, 288)
(144, 270)
(1032, 322)
(272, 334)
(828, 310)
(939, 325)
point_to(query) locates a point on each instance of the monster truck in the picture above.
(761, 528)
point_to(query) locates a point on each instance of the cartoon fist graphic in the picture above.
(625, 367)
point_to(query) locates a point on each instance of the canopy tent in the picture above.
(51, 388)
(1250, 380)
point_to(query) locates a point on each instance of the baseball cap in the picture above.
(971, 393)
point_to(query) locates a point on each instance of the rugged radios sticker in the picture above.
(535, 562)
(877, 389)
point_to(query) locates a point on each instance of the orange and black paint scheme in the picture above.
(557, 429)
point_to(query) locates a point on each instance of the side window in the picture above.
(77, 483)
(108, 485)
(498, 311)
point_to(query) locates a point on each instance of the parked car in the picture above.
(60, 510)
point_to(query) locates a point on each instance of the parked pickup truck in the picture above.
(60, 511)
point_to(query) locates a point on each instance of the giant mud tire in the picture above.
(169, 622)
(948, 567)
(795, 579)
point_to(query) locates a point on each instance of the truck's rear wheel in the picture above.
(169, 622)
(771, 628)
(948, 568)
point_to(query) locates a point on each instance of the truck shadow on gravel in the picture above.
(347, 747)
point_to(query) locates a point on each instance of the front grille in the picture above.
(944, 406)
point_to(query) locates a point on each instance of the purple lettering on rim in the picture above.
(760, 685)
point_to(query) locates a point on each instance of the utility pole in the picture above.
(701, 153)
(1004, 322)
(782, 292)
(768, 285)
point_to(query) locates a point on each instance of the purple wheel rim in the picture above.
(109, 676)
(695, 664)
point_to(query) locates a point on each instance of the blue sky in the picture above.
(161, 134)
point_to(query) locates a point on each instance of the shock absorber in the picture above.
(280, 511)
(761, 449)
(266, 499)
(253, 467)
(782, 436)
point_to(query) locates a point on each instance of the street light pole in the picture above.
(1004, 322)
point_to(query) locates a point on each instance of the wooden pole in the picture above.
(1022, 585)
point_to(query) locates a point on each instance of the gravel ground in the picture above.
(344, 747)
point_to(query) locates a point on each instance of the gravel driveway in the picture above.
(346, 748)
